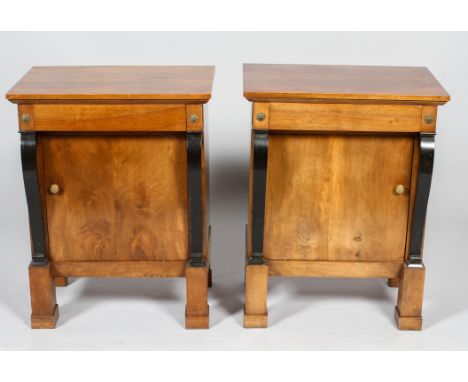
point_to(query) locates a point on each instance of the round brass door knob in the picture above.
(54, 189)
(400, 189)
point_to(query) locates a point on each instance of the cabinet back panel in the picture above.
(331, 197)
(121, 197)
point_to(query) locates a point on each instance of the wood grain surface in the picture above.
(115, 83)
(197, 309)
(44, 309)
(172, 268)
(103, 118)
(256, 290)
(347, 269)
(327, 200)
(408, 312)
(344, 117)
(268, 81)
(121, 198)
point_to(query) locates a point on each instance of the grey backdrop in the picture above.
(303, 313)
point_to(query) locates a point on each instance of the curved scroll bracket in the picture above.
(194, 179)
(31, 185)
(260, 162)
(426, 162)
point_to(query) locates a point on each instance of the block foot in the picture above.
(197, 322)
(407, 323)
(255, 320)
(45, 321)
(197, 309)
(256, 290)
(408, 312)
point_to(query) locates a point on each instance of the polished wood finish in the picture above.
(109, 148)
(345, 269)
(194, 111)
(264, 108)
(43, 301)
(128, 269)
(344, 117)
(196, 310)
(114, 83)
(408, 312)
(103, 118)
(132, 206)
(340, 82)
(256, 289)
(344, 147)
(428, 111)
(326, 200)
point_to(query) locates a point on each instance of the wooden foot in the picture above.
(61, 281)
(45, 321)
(407, 323)
(394, 282)
(410, 297)
(255, 320)
(43, 302)
(210, 278)
(197, 310)
(256, 289)
(197, 322)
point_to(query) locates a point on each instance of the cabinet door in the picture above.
(332, 197)
(120, 198)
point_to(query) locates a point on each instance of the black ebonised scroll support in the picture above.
(260, 162)
(194, 162)
(426, 162)
(31, 184)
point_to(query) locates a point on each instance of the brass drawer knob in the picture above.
(54, 189)
(26, 118)
(194, 118)
(260, 117)
(400, 189)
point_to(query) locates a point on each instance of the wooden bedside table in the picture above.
(340, 174)
(116, 178)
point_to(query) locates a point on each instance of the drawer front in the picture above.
(337, 197)
(342, 117)
(102, 118)
(119, 198)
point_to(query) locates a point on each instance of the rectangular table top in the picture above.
(115, 83)
(264, 82)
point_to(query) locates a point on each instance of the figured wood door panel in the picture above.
(332, 197)
(121, 197)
